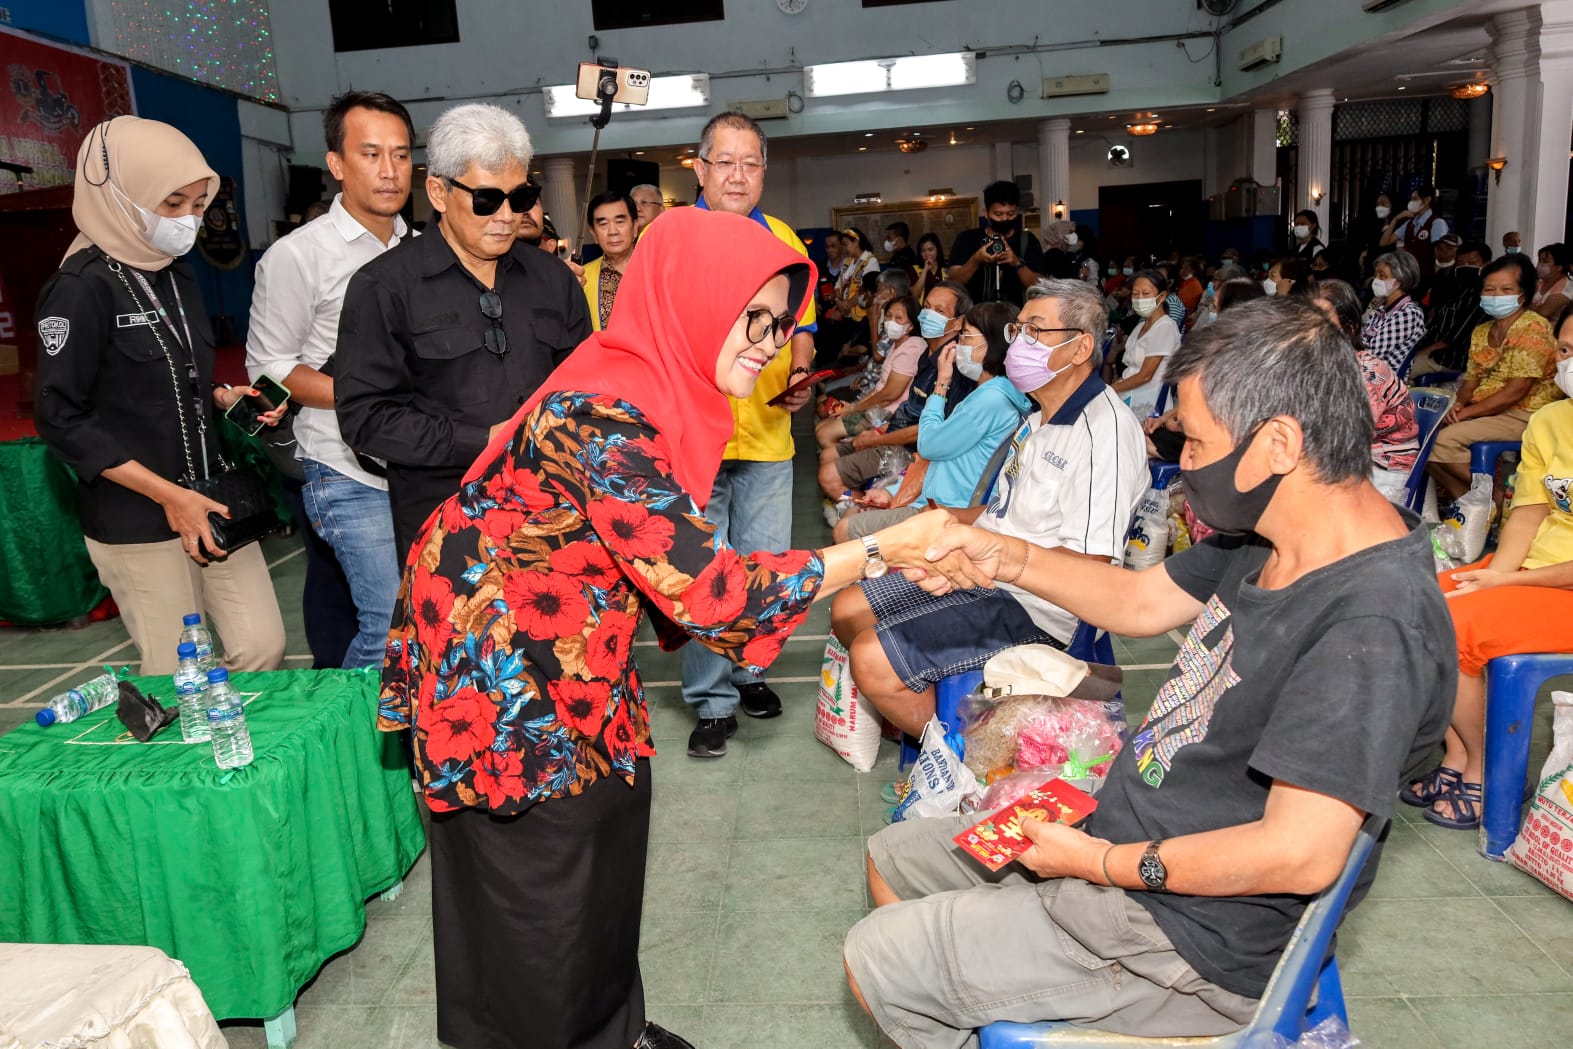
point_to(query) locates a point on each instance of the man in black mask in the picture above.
(999, 260)
(1453, 311)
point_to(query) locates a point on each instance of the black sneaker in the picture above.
(658, 1037)
(759, 700)
(708, 740)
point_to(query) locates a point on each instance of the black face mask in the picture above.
(1004, 229)
(1217, 501)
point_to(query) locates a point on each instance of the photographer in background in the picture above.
(998, 261)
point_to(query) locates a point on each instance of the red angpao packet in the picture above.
(999, 839)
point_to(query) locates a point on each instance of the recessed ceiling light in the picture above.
(1079, 131)
(638, 152)
(868, 134)
(971, 129)
(1212, 109)
(862, 149)
(1401, 87)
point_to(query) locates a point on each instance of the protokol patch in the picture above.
(53, 332)
(135, 320)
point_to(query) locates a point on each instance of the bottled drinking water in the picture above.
(84, 699)
(191, 689)
(227, 722)
(198, 635)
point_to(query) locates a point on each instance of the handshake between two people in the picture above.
(940, 554)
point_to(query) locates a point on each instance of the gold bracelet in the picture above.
(1105, 864)
(1026, 557)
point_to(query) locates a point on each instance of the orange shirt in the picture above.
(1190, 293)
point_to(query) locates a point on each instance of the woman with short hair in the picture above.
(1395, 324)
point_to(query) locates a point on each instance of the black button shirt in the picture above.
(105, 396)
(414, 383)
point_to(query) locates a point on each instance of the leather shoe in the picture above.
(708, 740)
(658, 1037)
(759, 700)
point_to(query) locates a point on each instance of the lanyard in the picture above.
(198, 404)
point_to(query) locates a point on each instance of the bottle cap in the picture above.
(45, 717)
(218, 674)
(186, 650)
(192, 619)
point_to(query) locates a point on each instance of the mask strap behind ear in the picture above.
(102, 131)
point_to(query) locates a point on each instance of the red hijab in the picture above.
(690, 277)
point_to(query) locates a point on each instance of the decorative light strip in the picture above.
(226, 43)
(666, 92)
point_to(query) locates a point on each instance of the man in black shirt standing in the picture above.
(1453, 311)
(999, 260)
(444, 337)
(1316, 676)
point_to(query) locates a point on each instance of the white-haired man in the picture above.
(444, 337)
(649, 203)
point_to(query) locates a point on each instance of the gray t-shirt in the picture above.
(1340, 683)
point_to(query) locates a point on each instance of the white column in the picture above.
(1054, 166)
(1258, 146)
(559, 198)
(1515, 56)
(1549, 173)
(1004, 166)
(1316, 152)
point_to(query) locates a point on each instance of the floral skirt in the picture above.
(535, 921)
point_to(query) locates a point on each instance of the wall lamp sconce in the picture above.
(1059, 209)
(1316, 197)
(1496, 164)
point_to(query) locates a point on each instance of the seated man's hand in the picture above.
(832, 407)
(1059, 851)
(910, 544)
(867, 439)
(983, 550)
(879, 499)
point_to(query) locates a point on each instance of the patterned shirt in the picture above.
(606, 289)
(1397, 434)
(511, 652)
(1528, 352)
(1393, 332)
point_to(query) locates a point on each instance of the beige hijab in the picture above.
(148, 161)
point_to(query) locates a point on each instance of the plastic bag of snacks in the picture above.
(1465, 524)
(843, 720)
(1074, 739)
(938, 780)
(1544, 846)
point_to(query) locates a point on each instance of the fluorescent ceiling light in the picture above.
(666, 92)
(890, 74)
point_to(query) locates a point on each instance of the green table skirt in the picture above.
(252, 878)
(49, 578)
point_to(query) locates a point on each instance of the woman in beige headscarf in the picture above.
(126, 391)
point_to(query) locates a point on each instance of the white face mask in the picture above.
(1270, 286)
(1565, 376)
(1072, 239)
(895, 330)
(889, 246)
(1380, 288)
(1514, 250)
(170, 236)
(1414, 207)
(1144, 307)
(965, 364)
(1302, 232)
(1444, 265)
(1382, 211)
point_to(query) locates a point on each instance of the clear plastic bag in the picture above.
(938, 781)
(1331, 1033)
(1073, 739)
(1465, 525)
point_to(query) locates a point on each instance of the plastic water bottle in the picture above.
(191, 689)
(227, 722)
(84, 699)
(198, 635)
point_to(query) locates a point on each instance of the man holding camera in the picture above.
(999, 260)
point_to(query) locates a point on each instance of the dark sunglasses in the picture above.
(496, 338)
(486, 200)
(762, 322)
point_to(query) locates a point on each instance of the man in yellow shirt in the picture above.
(611, 217)
(751, 503)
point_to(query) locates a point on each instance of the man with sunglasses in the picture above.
(443, 338)
(751, 503)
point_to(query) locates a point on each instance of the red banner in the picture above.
(53, 96)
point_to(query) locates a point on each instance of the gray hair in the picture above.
(895, 278)
(645, 185)
(485, 135)
(1080, 305)
(1404, 267)
(1275, 357)
(737, 122)
(1229, 271)
(963, 296)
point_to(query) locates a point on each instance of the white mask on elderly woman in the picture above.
(1564, 378)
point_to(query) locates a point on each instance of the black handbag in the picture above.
(244, 493)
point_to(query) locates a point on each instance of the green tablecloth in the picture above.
(252, 879)
(49, 578)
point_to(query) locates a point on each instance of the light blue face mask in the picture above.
(1498, 305)
(932, 323)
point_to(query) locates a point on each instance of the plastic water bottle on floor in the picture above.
(198, 635)
(227, 722)
(191, 690)
(84, 699)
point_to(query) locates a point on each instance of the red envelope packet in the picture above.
(998, 840)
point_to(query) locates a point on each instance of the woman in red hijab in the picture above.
(511, 654)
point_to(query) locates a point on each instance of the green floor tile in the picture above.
(1548, 922)
(830, 1026)
(1522, 1021)
(676, 949)
(362, 975)
(416, 983)
(1462, 849)
(802, 962)
(685, 876)
(693, 812)
(797, 807)
(800, 874)
(1388, 1023)
(1411, 869)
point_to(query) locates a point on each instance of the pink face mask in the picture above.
(1027, 363)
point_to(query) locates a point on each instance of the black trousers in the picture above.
(327, 606)
(536, 921)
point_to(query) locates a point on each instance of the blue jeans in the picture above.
(751, 507)
(356, 521)
(326, 605)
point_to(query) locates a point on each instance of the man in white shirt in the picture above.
(300, 286)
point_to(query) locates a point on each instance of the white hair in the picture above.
(485, 135)
(645, 185)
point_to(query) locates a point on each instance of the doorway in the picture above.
(1153, 218)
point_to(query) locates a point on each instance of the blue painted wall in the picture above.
(61, 19)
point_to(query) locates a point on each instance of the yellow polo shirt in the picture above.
(1545, 477)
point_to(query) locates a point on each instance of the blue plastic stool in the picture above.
(1483, 455)
(1435, 379)
(1308, 965)
(1511, 684)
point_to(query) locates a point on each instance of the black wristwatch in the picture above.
(1153, 873)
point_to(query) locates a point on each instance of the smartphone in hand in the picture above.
(247, 412)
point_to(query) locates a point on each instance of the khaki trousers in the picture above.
(1453, 443)
(155, 584)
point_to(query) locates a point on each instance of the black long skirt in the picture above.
(535, 920)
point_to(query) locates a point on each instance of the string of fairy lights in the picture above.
(226, 43)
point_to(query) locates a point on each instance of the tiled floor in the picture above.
(756, 873)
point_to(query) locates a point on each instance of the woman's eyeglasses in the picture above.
(1015, 330)
(761, 322)
(496, 338)
(486, 200)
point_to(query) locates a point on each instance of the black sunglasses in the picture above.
(496, 338)
(486, 200)
(761, 322)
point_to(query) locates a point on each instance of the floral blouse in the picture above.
(511, 652)
(1528, 352)
(1397, 442)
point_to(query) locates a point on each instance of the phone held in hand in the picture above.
(247, 412)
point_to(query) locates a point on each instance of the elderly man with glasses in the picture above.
(447, 335)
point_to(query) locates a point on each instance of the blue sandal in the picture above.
(1430, 787)
(1466, 799)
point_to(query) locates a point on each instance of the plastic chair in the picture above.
(1307, 969)
(991, 471)
(1430, 408)
(1511, 685)
(1483, 455)
(1435, 379)
(1162, 473)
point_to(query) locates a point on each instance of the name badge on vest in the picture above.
(1424, 234)
(135, 320)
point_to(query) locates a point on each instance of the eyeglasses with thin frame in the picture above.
(496, 337)
(763, 323)
(750, 169)
(486, 200)
(1035, 334)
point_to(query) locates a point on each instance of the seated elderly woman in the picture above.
(1395, 324)
(1511, 364)
(1518, 600)
(953, 450)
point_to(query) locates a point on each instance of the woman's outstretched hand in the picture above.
(912, 546)
(982, 551)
